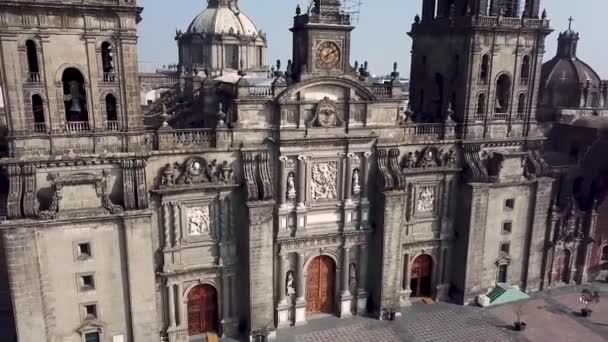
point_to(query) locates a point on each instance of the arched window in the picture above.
(38, 113)
(521, 104)
(485, 69)
(111, 113)
(503, 94)
(525, 70)
(75, 100)
(32, 61)
(231, 56)
(421, 101)
(604, 253)
(481, 106)
(107, 62)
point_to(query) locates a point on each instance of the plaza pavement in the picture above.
(552, 316)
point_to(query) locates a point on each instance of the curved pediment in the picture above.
(318, 88)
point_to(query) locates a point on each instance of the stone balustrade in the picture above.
(77, 126)
(260, 91)
(429, 131)
(112, 126)
(381, 90)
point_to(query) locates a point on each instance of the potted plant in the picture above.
(519, 309)
(589, 297)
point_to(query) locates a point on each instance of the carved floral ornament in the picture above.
(326, 114)
(324, 180)
(429, 157)
(196, 170)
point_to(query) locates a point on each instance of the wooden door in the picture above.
(421, 276)
(202, 310)
(320, 285)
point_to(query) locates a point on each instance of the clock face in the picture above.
(328, 55)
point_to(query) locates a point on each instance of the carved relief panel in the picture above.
(324, 181)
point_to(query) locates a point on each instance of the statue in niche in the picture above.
(409, 161)
(291, 187)
(289, 284)
(108, 59)
(352, 277)
(356, 184)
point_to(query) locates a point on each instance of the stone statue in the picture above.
(108, 60)
(291, 187)
(409, 161)
(356, 184)
(290, 288)
(352, 277)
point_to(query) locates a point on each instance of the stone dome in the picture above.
(223, 17)
(566, 78)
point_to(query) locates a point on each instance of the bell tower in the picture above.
(488, 67)
(321, 39)
(54, 93)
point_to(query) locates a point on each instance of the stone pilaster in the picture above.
(362, 281)
(478, 197)
(283, 301)
(142, 292)
(261, 261)
(536, 245)
(345, 295)
(300, 290)
(393, 208)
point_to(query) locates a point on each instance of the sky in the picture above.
(379, 37)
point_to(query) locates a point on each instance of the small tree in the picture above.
(589, 297)
(519, 309)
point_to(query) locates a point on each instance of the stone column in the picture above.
(301, 195)
(229, 322)
(348, 173)
(283, 189)
(177, 231)
(587, 246)
(300, 290)
(362, 281)
(283, 302)
(404, 299)
(167, 225)
(365, 175)
(345, 297)
(171, 303)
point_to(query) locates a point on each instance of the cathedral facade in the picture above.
(245, 199)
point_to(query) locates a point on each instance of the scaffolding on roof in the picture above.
(348, 11)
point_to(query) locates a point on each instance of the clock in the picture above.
(328, 55)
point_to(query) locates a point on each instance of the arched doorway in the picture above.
(320, 285)
(202, 310)
(420, 281)
(563, 262)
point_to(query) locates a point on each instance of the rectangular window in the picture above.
(86, 282)
(505, 247)
(91, 337)
(90, 311)
(231, 57)
(507, 227)
(83, 251)
(510, 204)
(260, 56)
